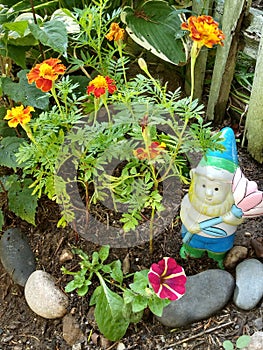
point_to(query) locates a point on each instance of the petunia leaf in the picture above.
(53, 34)
(156, 26)
(156, 305)
(108, 314)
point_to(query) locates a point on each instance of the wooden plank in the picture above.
(234, 11)
(254, 120)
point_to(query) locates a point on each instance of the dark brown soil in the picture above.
(21, 329)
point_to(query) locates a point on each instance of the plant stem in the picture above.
(121, 57)
(194, 54)
(151, 230)
(54, 94)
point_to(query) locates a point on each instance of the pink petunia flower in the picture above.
(167, 279)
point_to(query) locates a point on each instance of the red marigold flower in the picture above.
(100, 85)
(45, 73)
(140, 153)
(167, 279)
(116, 33)
(155, 149)
(19, 115)
(204, 30)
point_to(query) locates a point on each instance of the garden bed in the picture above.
(21, 329)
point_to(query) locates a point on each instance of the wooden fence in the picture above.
(233, 15)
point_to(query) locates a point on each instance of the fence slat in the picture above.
(225, 61)
(254, 120)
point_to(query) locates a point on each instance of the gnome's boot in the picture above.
(187, 251)
(218, 257)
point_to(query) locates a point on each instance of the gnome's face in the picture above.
(211, 191)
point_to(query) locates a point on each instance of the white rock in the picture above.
(256, 342)
(44, 297)
(121, 346)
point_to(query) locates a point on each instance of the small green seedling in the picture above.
(241, 343)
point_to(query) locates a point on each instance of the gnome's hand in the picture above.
(194, 228)
(230, 219)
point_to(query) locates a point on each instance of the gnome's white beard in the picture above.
(211, 210)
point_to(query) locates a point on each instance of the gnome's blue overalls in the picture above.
(209, 216)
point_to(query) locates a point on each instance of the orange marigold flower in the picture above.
(19, 115)
(116, 33)
(204, 31)
(45, 73)
(100, 85)
(155, 149)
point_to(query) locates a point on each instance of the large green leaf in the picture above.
(156, 26)
(21, 201)
(25, 93)
(53, 34)
(8, 148)
(108, 314)
(18, 27)
(17, 54)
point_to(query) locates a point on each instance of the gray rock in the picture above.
(72, 332)
(16, 256)
(256, 342)
(206, 293)
(44, 297)
(249, 284)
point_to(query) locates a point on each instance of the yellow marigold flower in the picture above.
(19, 115)
(100, 85)
(116, 33)
(45, 73)
(204, 31)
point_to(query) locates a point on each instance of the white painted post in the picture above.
(254, 121)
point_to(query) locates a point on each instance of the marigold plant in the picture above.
(100, 85)
(19, 115)
(155, 149)
(204, 31)
(44, 74)
(116, 33)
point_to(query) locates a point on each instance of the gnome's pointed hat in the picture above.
(217, 164)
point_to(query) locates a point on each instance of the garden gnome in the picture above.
(209, 216)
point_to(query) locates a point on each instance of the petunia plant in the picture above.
(120, 299)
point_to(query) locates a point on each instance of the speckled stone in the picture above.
(44, 297)
(206, 293)
(16, 256)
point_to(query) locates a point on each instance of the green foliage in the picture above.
(117, 304)
(8, 149)
(25, 93)
(156, 26)
(18, 197)
(52, 34)
(241, 343)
